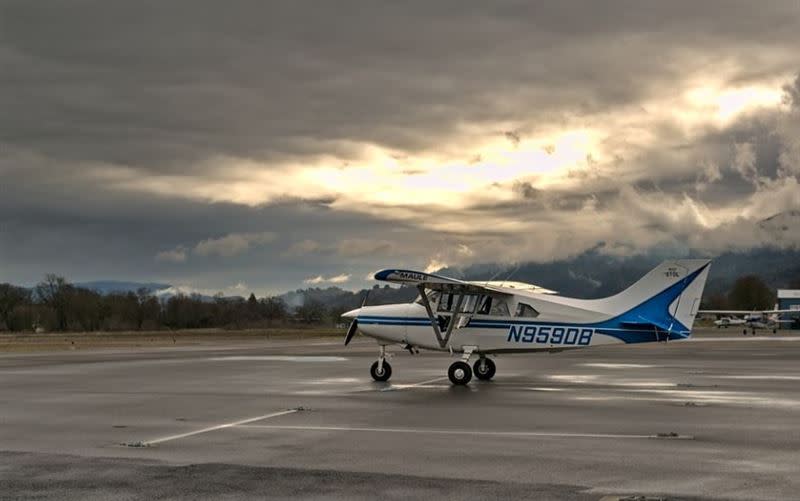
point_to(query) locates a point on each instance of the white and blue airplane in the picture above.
(753, 319)
(482, 319)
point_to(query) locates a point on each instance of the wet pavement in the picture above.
(716, 417)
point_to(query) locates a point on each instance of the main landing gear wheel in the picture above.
(484, 369)
(459, 373)
(384, 374)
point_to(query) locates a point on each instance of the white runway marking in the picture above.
(618, 366)
(396, 387)
(776, 337)
(531, 434)
(757, 377)
(219, 427)
(276, 358)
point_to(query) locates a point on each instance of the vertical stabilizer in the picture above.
(668, 297)
(684, 309)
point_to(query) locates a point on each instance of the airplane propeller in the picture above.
(351, 331)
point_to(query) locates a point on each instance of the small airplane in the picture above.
(729, 322)
(752, 319)
(478, 319)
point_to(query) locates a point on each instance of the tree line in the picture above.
(57, 305)
(748, 292)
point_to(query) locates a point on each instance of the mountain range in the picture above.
(590, 275)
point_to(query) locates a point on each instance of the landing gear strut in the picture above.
(381, 370)
(484, 369)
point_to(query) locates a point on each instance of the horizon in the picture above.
(769, 263)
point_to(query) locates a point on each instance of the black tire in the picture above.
(774, 331)
(459, 373)
(488, 372)
(384, 375)
(745, 332)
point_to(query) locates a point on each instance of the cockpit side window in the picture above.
(499, 308)
(485, 305)
(446, 302)
(469, 303)
(525, 310)
(492, 306)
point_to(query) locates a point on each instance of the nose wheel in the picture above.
(484, 369)
(380, 371)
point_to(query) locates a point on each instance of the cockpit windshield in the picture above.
(433, 298)
(445, 302)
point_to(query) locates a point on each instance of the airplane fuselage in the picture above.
(409, 324)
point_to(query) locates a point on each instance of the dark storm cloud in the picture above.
(155, 85)
(91, 91)
(89, 234)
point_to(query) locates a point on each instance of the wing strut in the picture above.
(443, 340)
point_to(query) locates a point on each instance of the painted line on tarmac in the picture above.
(741, 338)
(513, 434)
(398, 387)
(277, 358)
(211, 428)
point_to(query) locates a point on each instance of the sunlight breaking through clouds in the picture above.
(672, 127)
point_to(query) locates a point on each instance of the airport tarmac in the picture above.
(712, 418)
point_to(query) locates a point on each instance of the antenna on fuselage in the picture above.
(493, 277)
(510, 274)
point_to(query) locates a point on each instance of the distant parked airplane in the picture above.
(728, 322)
(490, 318)
(752, 319)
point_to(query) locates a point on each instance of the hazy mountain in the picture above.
(161, 290)
(335, 298)
(115, 286)
(590, 275)
(594, 274)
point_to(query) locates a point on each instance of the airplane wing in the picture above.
(747, 312)
(435, 282)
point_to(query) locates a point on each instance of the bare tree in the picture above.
(11, 297)
(313, 311)
(54, 292)
(273, 308)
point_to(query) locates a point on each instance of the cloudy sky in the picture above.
(237, 146)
